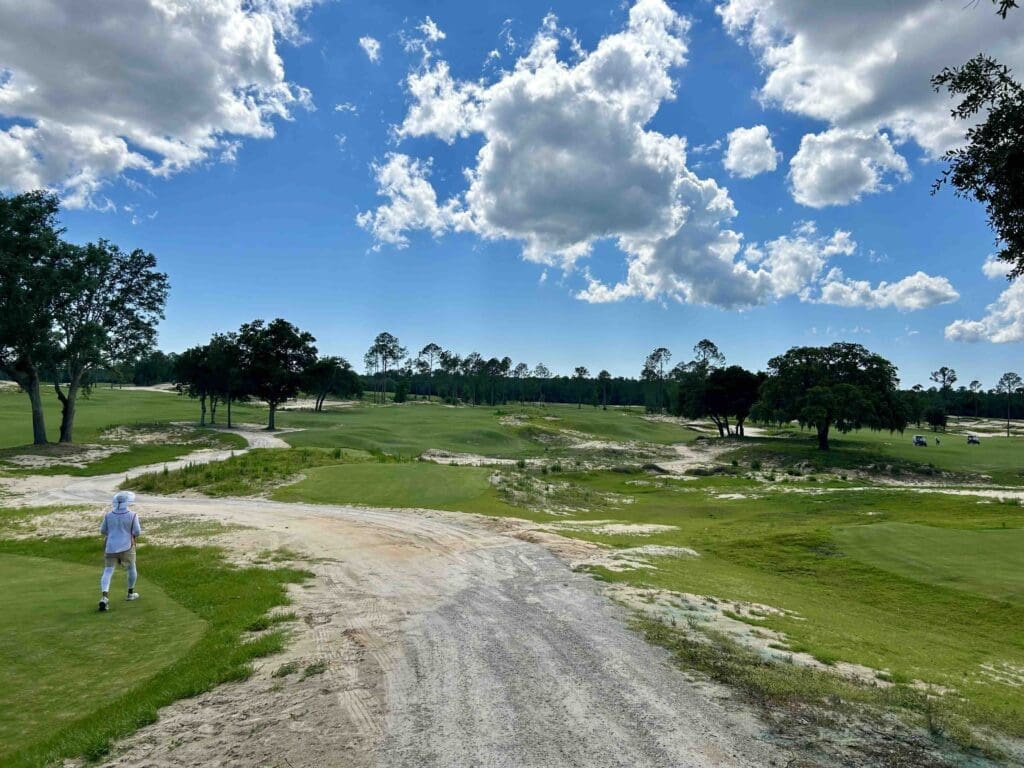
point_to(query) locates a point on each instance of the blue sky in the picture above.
(257, 216)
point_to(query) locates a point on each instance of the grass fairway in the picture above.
(72, 679)
(60, 657)
(985, 563)
(416, 484)
(508, 431)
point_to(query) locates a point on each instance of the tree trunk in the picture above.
(29, 381)
(229, 411)
(67, 407)
(202, 411)
(213, 410)
(271, 425)
(823, 437)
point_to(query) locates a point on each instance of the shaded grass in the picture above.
(227, 599)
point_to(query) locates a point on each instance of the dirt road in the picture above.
(447, 642)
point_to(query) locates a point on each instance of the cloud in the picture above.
(877, 79)
(346, 106)
(838, 166)
(750, 152)
(995, 268)
(157, 88)
(412, 201)
(371, 47)
(914, 292)
(567, 161)
(441, 107)
(1003, 321)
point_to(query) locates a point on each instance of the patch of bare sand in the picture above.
(79, 456)
(700, 454)
(439, 456)
(696, 614)
(309, 403)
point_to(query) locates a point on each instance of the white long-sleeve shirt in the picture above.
(120, 528)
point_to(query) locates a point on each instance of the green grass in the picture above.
(415, 484)
(997, 457)
(410, 429)
(987, 563)
(72, 679)
(135, 456)
(244, 475)
(102, 409)
(60, 657)
(937, 618)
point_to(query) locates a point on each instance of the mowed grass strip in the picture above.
(987, 563)
(84, 678)
(507, 431)
(415, 484)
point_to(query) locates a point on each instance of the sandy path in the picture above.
(448, 643)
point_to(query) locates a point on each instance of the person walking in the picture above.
(120, 528)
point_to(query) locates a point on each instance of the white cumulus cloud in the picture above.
(837, 166)
(995, 268)
(866, 67)
(371, 47)
(750, 152)
(98, 89)
(567, 160)
(914, 292)
(1003, 321)
(412, 201)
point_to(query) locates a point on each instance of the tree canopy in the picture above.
(29, 238)
(275, 356)
(842, 385)
(989, 167)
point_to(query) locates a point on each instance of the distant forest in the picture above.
(475, 380)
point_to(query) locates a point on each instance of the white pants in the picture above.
(108, 574)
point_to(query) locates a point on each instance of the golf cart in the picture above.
(973, 440)
(919, 440)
